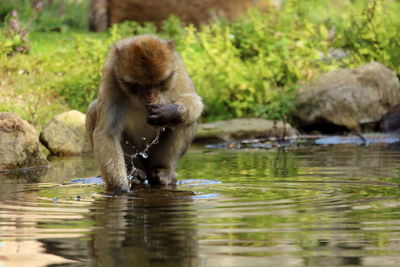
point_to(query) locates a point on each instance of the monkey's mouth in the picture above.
(149, 102)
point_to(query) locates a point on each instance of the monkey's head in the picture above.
(144, 66)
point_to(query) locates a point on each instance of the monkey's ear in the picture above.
(171, 44)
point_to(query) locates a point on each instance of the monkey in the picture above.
(145, 89)
(390, 122)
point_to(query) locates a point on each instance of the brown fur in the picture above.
(144, 86)
(390, 122)
(151, 57)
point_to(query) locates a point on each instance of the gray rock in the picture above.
(66, 135)
(220, 131)
(347, 98)
(19, 144)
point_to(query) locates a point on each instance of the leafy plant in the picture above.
(372, 35)
(61, 15)
(14, 35)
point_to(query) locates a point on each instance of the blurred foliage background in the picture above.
(250, 67)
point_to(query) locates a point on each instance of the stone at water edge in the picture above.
(369, 139)
(221, 131)
(65, 134)
(97, 180)
(347, 98)
(19, 144)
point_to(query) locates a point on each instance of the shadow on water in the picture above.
(314, 206)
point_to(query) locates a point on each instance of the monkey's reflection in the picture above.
(152, 230)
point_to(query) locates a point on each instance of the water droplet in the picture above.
(144, 155)
(127, 142)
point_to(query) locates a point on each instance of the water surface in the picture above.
(313, 206)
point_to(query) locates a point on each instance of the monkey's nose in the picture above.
(151, 96)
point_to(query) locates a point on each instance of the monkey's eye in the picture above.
(133, 87)
(164, 82)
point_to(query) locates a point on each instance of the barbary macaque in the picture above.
(145, 90)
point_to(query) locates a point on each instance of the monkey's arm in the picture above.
(190, 107)
(184, 110)
(107, 147)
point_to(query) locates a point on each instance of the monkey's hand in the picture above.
(139, 177)
(164, 115)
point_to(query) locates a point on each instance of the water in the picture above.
(143, 153)
(314, 206)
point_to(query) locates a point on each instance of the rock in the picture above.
(66, 135)
(346, 99)
(367, 139)
(221, 131)
(19, 144)
(390, 122)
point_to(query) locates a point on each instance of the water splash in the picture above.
(144, 153)
(148, 145)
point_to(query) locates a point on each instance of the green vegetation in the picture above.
(42, 16)
(248, 67)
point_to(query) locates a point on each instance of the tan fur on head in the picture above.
(147, 58)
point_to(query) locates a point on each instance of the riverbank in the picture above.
(259, 61)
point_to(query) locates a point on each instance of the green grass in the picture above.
(32, 82)
(53, 42)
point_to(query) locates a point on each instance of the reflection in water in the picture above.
(30, 175)
(144, 232)
(332, 206)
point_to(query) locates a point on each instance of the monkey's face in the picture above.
(146, 92)
(145, 68)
